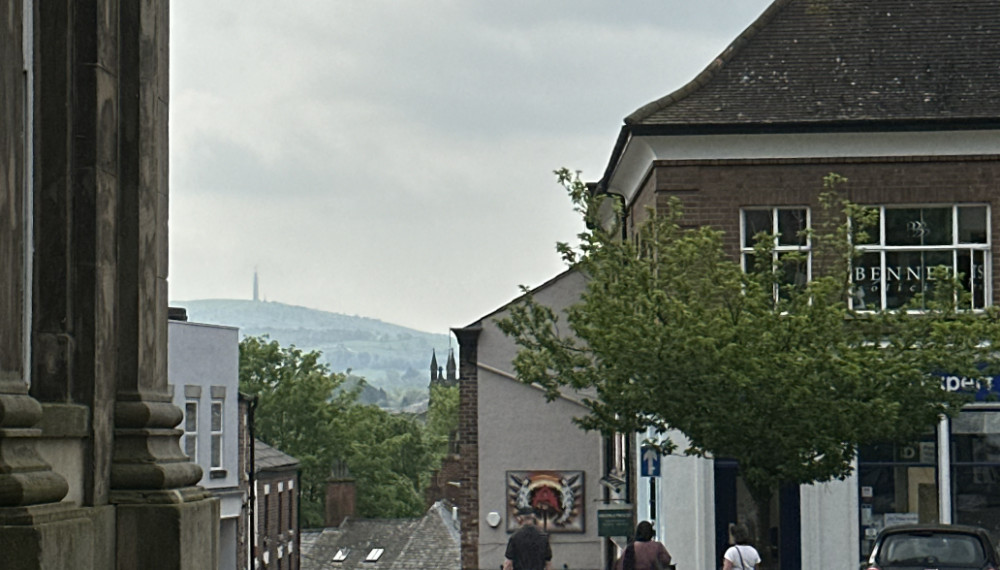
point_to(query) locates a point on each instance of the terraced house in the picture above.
(902, 98)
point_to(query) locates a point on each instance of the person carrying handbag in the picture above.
(742, 555)
(644, 553)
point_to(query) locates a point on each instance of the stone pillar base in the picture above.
(51, 537)
(166, 535)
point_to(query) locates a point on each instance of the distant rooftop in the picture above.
(267, 458)
(431, 541)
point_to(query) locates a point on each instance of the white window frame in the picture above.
(956, 246)
(747, 242)
(216, 436)
(191, 435)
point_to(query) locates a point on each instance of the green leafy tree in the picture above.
(314, 415)
(301, 410)
(672, 334)
(391, 461)
(442, 413)
(442, 421)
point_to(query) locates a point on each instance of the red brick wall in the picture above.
(341, 496)
(713, 191)
(467, 499)
(277, 520)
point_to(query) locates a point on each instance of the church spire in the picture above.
(434, 367)
(451, 379)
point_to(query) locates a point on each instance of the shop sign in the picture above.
(616, 521)
(984, 389)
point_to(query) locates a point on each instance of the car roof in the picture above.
(955, 528)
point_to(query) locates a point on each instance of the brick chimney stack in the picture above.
(340, 495)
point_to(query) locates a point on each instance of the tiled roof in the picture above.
(267, 458)
(823, 61)
(430, 541)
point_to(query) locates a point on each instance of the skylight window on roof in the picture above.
(374, 555)
(341, 555)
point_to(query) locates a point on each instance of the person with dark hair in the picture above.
(643, 553)
(528, 548)
(741, 555)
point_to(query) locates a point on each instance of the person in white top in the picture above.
(742, 555)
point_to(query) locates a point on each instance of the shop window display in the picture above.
(975, 466)
(897, 485)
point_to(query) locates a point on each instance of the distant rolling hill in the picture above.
(388, 356)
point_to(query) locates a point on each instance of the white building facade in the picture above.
(203, 368)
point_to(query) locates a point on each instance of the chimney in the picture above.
(340, 495)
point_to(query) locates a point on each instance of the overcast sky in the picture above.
(393, 159)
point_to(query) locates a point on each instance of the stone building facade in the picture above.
(93, 473)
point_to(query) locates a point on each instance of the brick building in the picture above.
(903, 99)
(276, 483)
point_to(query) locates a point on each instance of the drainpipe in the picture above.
(252, 478)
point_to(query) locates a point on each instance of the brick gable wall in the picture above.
(467, 497)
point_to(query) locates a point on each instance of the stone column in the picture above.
(152, 480)
(36, 529)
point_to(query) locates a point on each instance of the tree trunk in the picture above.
(760, 529)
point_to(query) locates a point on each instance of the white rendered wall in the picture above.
(830, 524)
(519, 430)
(685, 506)
(208, 356)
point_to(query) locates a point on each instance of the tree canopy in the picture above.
(314, 415)
(787, 378)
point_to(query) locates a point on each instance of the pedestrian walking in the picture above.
(528, 548)
(741, 555)
(644, 553)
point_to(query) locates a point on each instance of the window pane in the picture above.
(895, 493)
(216, 416)
(975, 439)
(904, 277)
(972, 224)
(791, 224)
(871, 231)
(794, 267)
(752, 265)
(933, 260)
(191, 416)
(918, 226)
(191, 447)
(903, 226)
(216, 451)
(867, 279)
(908, 273)
(755, 222)
(972, 269)
(937, 224)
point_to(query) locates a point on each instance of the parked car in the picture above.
(933, 547)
